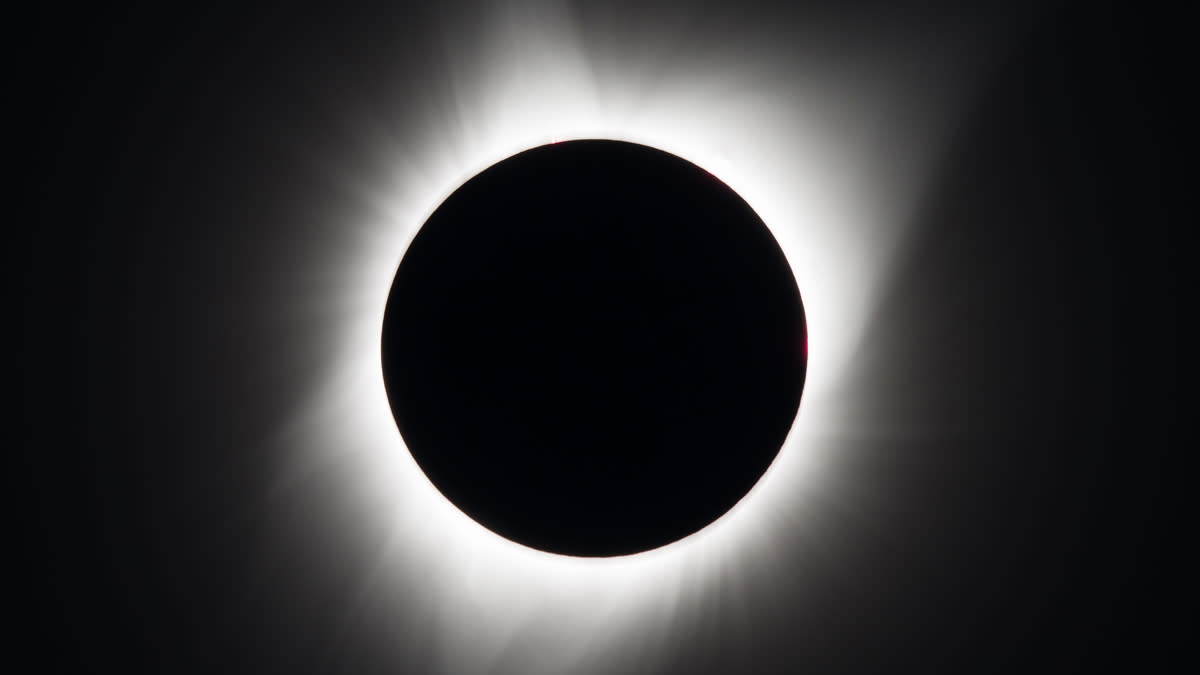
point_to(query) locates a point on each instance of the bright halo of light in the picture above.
(808, 146)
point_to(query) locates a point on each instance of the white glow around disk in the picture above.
(830, 137)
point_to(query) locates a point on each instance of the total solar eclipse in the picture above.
(594, 348)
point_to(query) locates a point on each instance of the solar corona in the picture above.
(582, 330)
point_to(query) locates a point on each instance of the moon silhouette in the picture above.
(594, 348)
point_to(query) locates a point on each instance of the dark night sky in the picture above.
(1024, 320)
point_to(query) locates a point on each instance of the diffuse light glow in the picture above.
(833, 157)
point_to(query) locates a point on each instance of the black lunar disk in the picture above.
(594, 348)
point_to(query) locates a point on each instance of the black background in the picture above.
(151, 161)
